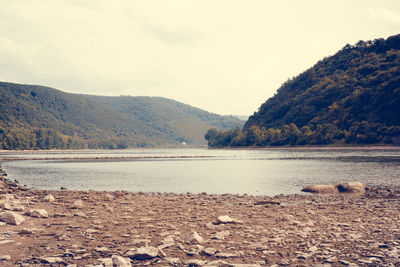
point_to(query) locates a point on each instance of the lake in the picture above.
(255, 172)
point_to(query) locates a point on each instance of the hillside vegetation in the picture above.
(350, 97)
(38, 117)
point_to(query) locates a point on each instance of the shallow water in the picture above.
(255, 172)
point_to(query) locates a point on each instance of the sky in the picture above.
(224, 56)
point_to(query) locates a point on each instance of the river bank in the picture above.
(89, 228)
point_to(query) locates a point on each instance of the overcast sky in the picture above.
(224, 56)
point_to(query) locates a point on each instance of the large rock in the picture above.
(321, 189)
(142, 253)
(351, 187)
(11, 218)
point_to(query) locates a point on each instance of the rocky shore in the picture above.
(88, 228)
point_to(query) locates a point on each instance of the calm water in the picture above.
(256, 172)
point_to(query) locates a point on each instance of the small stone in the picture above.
(226, 255)
(209, 251)
(101, 249)
(107, 262)
(195, 263)
(51, 260)
(5, 257)
(331, 260)
(173, 261)
(49, 198)
(80, 214)
(108, 197)
(267, 202)
(227, 219)
(284, 262)
(194, 238)
(78, 204)
(39, 213)
(119, 261)
(11, 218)
(26, 231)
(221, 235)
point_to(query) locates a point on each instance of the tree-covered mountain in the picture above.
(34, 116)
(352, 96)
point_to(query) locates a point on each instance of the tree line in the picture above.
(290, 135)
(43, 138)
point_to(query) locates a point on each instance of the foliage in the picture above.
(351, 97)
(358, 83)
(37, 117)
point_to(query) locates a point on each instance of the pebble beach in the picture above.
(91, 228)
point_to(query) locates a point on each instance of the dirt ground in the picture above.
(88, 228)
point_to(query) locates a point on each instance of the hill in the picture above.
(352, 96)
(40, 117)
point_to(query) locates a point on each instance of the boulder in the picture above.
(321, 189)
(351, 187)
(11, 218)
(39, 213)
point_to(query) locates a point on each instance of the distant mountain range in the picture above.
(38, 117)
(350, 97)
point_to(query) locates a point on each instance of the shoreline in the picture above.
(88, 228)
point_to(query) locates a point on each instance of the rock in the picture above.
(267, 202)
(173, 261)
(227, 219)
(194, 238)
(209, 251)
(321, 189)
(26, 231)
(194, 263)
(106, 262)
(39, 213)
(221, 235)
(226, 255)
(49, 198)
(119, 261)
(351, 187)
(142, 253)
(243, 265)
(5, 257)
(108, 197)
(78, 204)
(51, 260)
(217, 263)
(11, 218)
(5, 205)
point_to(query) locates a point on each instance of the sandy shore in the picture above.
(87, 228)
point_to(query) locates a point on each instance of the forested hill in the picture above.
(352, 96)
(38, 117)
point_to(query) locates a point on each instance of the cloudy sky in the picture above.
(225, 56)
